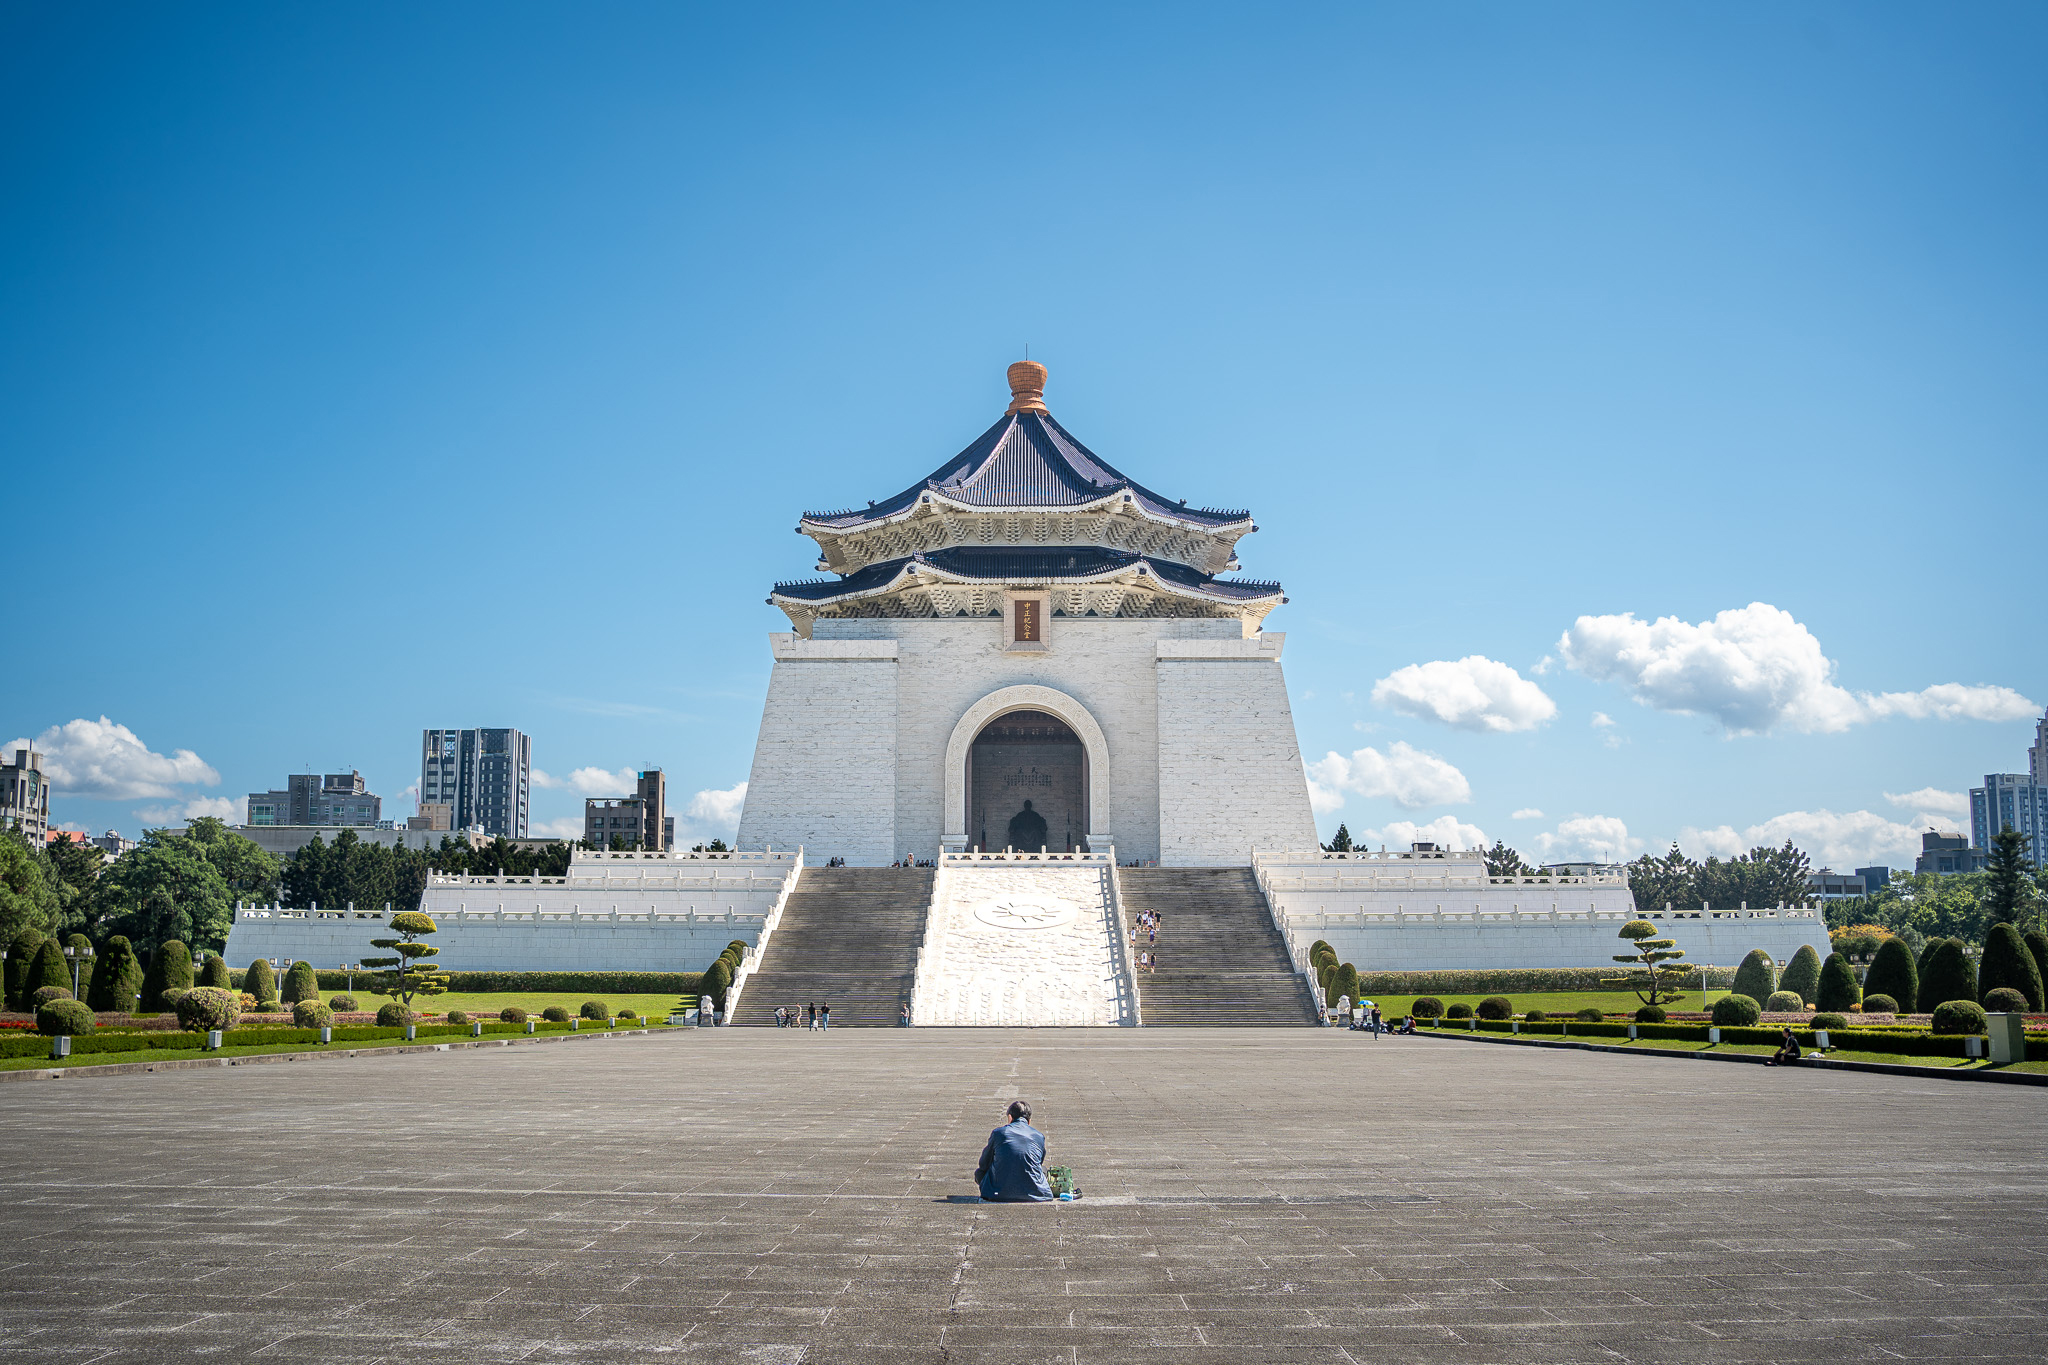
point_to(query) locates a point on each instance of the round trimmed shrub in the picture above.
(393, 1015)
(1495, 1007)
(595, 1009)
(1880, 1004)
(629, 1014)
(1893, 975)
(512, 1014)
(47, 968)
(260, 981)
(344, 1003)
(1999, 1000)
(1838, 986)
(1960, 1016)
(67, 1017)
(1784, 1002)
(1828, 1021)
(1460, 1011)
(300, 984)
(208, 1007)
(1757, 977)
(717, 980)
(170, 969)
(1650, 1014)
(1345, 982)
(312, 1014)
(457, 1017)
(171, 998)
(1590, 1015)
(267, 1007)
(555, 1014)
(2008, 965)
(1428, 1007)
(45, 994)
(1802, 973)
(1536, 1016)
(1948, 975)
(215, 973)
(116, 977)
(1735, 1011)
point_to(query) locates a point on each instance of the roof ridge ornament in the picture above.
(1027, 387)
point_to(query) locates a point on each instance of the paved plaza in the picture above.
(1252, 1196)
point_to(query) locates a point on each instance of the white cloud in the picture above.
(1855, 838)
(590, 782)
(106, 761)
(1446, 831)
(1404, 775)
(1589, 836)
(711, 814)
(1753, 669)
(1955, 804)
(1542, 665)
(1528, 813)
(230, 809)
(1601, 720)
(1472, 693)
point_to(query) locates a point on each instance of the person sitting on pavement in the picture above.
(1788, 1049)
(1012, 1169)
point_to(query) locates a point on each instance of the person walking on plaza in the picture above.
(1374, 1021)
(810, 1014)
(906, 1016)
(781, 1021)
(824, 1017)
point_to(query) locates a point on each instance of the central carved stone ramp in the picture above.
(848, 938)
(1221, 960)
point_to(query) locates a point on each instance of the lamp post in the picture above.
(348, 969)
(79, 957)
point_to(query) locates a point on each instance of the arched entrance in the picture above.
(1026, 743)
(1027, 785)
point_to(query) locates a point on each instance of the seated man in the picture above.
(1788, 1050)
(1012, 1168)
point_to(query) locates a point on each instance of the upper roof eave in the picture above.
(1164, 575)
(817, 524)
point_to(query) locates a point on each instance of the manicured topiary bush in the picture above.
(2037, 944)
(1892, 973)
(116, 977)
(267, 1007)
(46, 969)
(1828, 1021)
(717, 980)
(1345, 982)
(1590, 1015)
(1650, 1014)
(1948, 974)
(1536, 1016)
(1880, 1004)
(45, 994)
(629, 1014)
(299, 984)
(595, 1009)
(459, 1018)
(393, 1015)
(67, 1017)
(314, 1014)
(208, 1007)
(21, 954)
(344, 1003)
(1959, 1016)
(1784, 1002)
(2007, 964)
(1838, 987)
(512, 1014)
(260, 981)
(2001, 1000)
(1735, 1011)
(555, 1014)
(1802, 973)
(169, 999)
(1495, 1007)
(1458, 1011)
(216, 974)
(1427, 1007)
(1757, 977)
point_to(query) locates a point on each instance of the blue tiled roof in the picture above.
(1027, 460)
(1030, 562)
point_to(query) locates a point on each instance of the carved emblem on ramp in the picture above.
(1027, 912)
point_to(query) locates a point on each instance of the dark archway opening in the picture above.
(1027, 780)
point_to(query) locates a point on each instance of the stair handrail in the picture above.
(931, 926)
(768, 924)
(1120, 935)
(1296, 954)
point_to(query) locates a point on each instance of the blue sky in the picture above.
(373, 368)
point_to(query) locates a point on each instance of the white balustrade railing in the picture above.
(769, 921)
(1119, 932)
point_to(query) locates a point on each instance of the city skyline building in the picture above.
(340, 799)
(2009, 800)
(485, 774)
(25, 796)
(639, 821)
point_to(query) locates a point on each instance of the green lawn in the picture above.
(188, 1053)
(1765, 1050)
(1556, 1002)
(533, 1002)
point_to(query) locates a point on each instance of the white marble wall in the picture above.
(1230, 773)
(1021, 945)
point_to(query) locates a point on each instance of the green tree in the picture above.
(1838, 989)
(170, 969)
(2007, 962)
(116, 978)
(1893, 972)
(406, 973)
(1502, 861)
(1340, 842)
(1947, 976)
(1761, 877)
(27, 900)
(300, 984)
(1802, 974)
(2009, 893)
(1757, 977)
(21, 955)
(165, 888)
(1658, 971)
(250, 871)
(73, 868)
(1670, 880)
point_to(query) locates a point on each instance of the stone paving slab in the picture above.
(1253, 1196)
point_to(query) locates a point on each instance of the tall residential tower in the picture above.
(486, 775)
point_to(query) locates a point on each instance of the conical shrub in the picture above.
(1757, 977)
(170, 969)
(215, 975)
(2007, 962)
(300, 984)
(1926, 955)
(1838, 988)
(1802, 974)
(1346, 983)
(1893, 972)
(716, 982)
(48, 969)
(1948, 976)
(116, 978)
(21, 955)
(82, 945)
(2037, 944)
(260, 981)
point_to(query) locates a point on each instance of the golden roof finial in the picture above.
(1027, 387)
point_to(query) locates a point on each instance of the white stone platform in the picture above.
(1024, 939)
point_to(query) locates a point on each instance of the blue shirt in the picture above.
(1013, 1164)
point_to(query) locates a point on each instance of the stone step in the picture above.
(1222, 962)
(848, 937)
